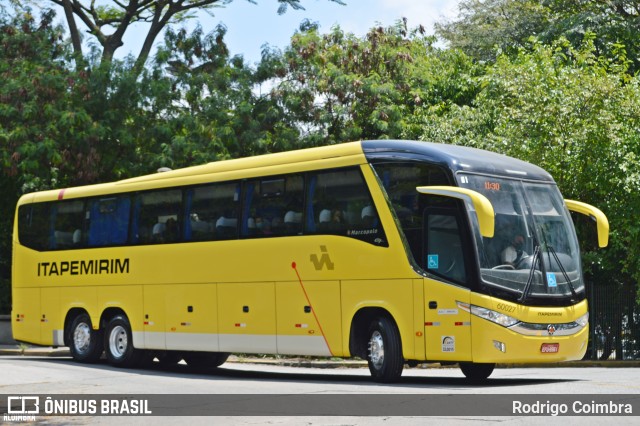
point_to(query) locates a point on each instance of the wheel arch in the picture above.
(68, 319)
(110, 313)
(358, 337)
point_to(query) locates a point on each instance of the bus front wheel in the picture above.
(384, 354)
(118, 343)
(85, 343)
(476, 372)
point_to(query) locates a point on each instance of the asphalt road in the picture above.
(60, 375)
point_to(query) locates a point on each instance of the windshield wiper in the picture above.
(527, 287)
(551, 250)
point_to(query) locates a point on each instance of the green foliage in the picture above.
(483, 29)
(340, 87)
(206, 106)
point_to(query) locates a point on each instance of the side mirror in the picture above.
(602, 223)
(481, 204)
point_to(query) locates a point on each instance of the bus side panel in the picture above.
(51, 320)
(418, 321)
(308, 320)
(447, 327)
(82, 297)
(393, 295)
(155, 300)
(25, 316)
(247, 317)
(191, 317)
(129, 299)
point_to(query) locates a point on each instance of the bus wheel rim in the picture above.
(82, 337)
(118, 341)
(376, 349)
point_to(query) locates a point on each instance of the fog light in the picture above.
(500, 346)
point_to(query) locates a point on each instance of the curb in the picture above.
(319, 363)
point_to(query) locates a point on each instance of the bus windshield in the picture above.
(533, 256)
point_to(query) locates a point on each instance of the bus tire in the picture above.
(384, 351)
(476, 372)
(85, 343)
(205, 360)
(118, 343)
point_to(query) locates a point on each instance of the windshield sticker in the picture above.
(551, 279)
(448, 344)
(432, 261)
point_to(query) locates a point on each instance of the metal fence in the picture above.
(614, 317)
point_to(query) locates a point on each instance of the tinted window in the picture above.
(213, 212)
(34, 225)
(400, 181)
(109, 221)
(339, 203)
(69, 219)
(444, 252)
(273, 206)
(159, 218)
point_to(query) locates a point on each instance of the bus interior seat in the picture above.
(324, 218)
(226, 228)
(293, 222)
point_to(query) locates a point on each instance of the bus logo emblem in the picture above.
(324, 260)
(551, 329)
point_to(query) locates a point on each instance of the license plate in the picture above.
(550, 348)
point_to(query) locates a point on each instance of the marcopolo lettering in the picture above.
(84, 267)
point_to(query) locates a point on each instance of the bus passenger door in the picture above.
(447, 327)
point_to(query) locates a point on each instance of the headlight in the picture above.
(583, 320)
(493, 316)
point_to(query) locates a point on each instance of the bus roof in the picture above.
(454, 157)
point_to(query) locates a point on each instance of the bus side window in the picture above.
(445, 254)
(34, 224)
(273, 206)
(159, 217)
(339, 203)
(69, 219)
(213, 212)
(109, 221)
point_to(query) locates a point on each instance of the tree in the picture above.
(100, 18)
(339, 87)
(203, 104)
(485, 28)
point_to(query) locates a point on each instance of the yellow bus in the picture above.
(396, 252)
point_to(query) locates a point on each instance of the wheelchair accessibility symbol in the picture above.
(432, 261)
(551, 279)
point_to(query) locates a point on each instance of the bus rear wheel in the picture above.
(118, 343)
(85, 343)
(476, 372)
(384, 354)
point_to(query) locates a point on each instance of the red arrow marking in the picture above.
(294, 266)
